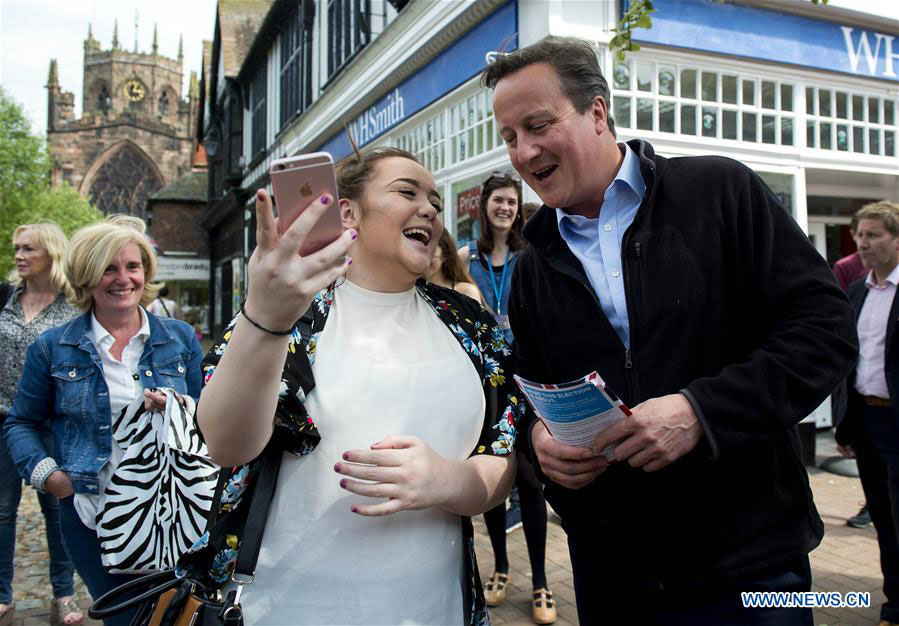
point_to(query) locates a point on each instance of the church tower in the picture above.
(135, 132)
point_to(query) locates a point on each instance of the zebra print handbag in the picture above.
(159, 496)
(163, 599)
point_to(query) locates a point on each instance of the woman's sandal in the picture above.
(7, 613)
(66, 612)
(495, 589)
(543, 606)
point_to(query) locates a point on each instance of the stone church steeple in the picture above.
(135, 134)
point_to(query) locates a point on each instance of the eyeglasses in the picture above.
(501, 175)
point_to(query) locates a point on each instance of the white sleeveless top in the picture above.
(385, 365)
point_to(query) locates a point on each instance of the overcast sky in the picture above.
(34, 31)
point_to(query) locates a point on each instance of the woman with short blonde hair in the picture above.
(33, 301)
(93, 248)
(78, 377)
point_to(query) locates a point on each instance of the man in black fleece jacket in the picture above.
(720, 325)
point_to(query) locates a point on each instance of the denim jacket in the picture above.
(62, 383)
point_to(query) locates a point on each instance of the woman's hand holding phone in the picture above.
(282, 283)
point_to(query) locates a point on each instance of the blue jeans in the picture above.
(61, 569)
(84, 548)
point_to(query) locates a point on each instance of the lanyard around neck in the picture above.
(498, 293)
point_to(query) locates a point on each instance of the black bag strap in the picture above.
(6, 290)
(258, 514)
(152, 585)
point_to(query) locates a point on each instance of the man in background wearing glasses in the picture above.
(690, 289)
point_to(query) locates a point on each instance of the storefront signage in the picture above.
(452, 67)
(724, 28)
(179, 268)
(467, 203)
(379, 118)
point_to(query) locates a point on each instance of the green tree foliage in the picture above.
(25, 192)
(639, 15)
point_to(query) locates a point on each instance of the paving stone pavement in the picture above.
(847, 560)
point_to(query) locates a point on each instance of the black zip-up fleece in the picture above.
(728, 303)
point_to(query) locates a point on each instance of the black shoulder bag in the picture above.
(5, 293)
(162, 599)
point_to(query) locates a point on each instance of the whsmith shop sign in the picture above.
(452, 67)
(714, 26)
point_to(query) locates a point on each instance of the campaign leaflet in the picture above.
(577, 411)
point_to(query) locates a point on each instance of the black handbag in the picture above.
(162, 599)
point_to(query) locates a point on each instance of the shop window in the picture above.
(688, 119)
(297, 62)
(621, 76)
(824, 134)
(427, 142)
(786, 131)
(858, 139)
(850, 122)
(749, 92)
(769, 95)
(729, 125)
(709, 122)
(873, 141)
(688, 84)
(842, 105)
(824, 102)
(782, 186)
(786, 97)
(750, 127)
(729, 89)
(842, 137)
(644, 114)
(709, 86)
(666, 117)
(472, 130)
(644, 76)
(462, 131)
(731, 109)
(621, 111)
(858, 108)
(769, 129)
(666, 81)
(874, 110)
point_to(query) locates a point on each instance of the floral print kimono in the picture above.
(212, 559)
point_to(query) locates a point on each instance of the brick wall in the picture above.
(176, 227)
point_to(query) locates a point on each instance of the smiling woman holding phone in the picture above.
(406, 434)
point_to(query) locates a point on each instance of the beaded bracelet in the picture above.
(277, 333)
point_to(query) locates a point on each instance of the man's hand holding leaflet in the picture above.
(577, 412)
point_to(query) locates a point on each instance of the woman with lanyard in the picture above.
(490, 261)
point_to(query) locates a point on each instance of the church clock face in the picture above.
(134, 91)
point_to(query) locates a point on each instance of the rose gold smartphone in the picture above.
(296, 182)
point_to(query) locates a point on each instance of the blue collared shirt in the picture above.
(597, 242)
